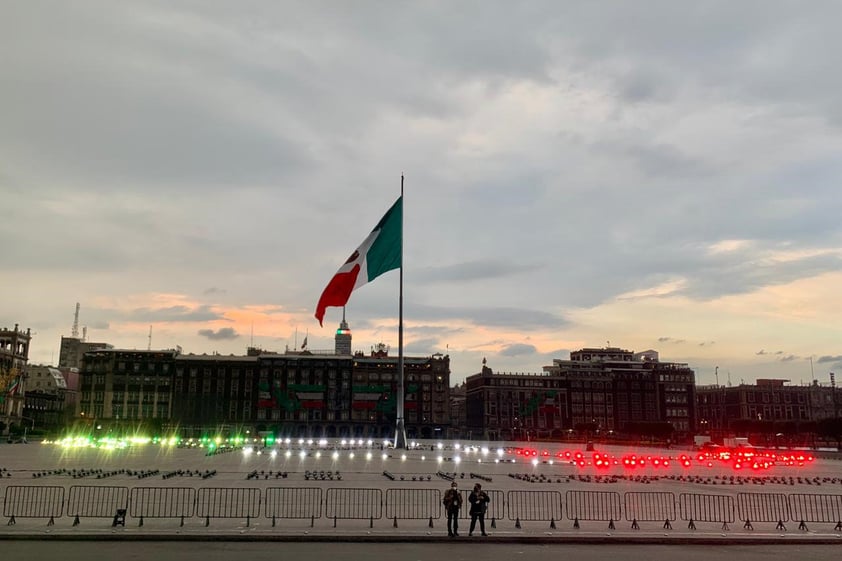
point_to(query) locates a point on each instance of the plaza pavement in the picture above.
(497, 466)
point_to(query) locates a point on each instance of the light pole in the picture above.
(25, 428)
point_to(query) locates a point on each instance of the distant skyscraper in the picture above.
(343, 339)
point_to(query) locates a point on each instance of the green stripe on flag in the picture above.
(385, 253)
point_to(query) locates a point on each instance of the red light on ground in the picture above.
(545, 453)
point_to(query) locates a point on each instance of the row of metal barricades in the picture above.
(370, 504)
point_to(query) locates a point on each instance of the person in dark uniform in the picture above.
(452, 504)
(479, 504)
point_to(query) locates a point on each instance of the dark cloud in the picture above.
(423, 347)
(221, 334)
(829, 358)
(670, 340)
(469, 272)
(518, 349)
(213, 290)
(174, 314)
(789, 358)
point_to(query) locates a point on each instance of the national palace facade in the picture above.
(298, 393)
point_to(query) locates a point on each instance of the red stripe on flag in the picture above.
(337, 292)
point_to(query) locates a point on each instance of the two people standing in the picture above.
(479, 500)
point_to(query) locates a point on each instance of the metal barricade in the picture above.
(354, 503)
(162, 502)
(94, 501)
(222, 502)
(413, 504)
(763, 507)
(293, 502)
(541, 506)
(816, 508)
(593, 505)
(649, 506)
(33, 501)
(695, 507)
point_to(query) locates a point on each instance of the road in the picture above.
(463, 550)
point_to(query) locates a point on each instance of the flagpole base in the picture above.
(400, 435)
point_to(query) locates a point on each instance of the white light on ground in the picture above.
(301, 442)
(351, 455)
(534, 461)
(423, 458)
(440, 446)
(335, 455)
(440, 459)
(273, 453)
(500, 452)
(323, 442)
(403, 457)
(288, 454)
(318, 454)
(457, 459)
(385, 455)
(368, 456)
(485, 451)
(302, 454)
(344, 442)
(456, 446)
(247, 450)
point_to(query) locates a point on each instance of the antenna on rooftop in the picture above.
(84, 333)
(74, 332)
(149, 348)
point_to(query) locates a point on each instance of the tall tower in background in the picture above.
(73, 348)
(343, 337)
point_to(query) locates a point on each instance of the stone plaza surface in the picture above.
(548, 496)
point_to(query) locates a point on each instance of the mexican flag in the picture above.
(11, 390)
(380, 252)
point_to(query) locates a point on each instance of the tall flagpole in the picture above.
(400, 429)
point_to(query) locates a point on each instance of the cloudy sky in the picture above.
(659, 174)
